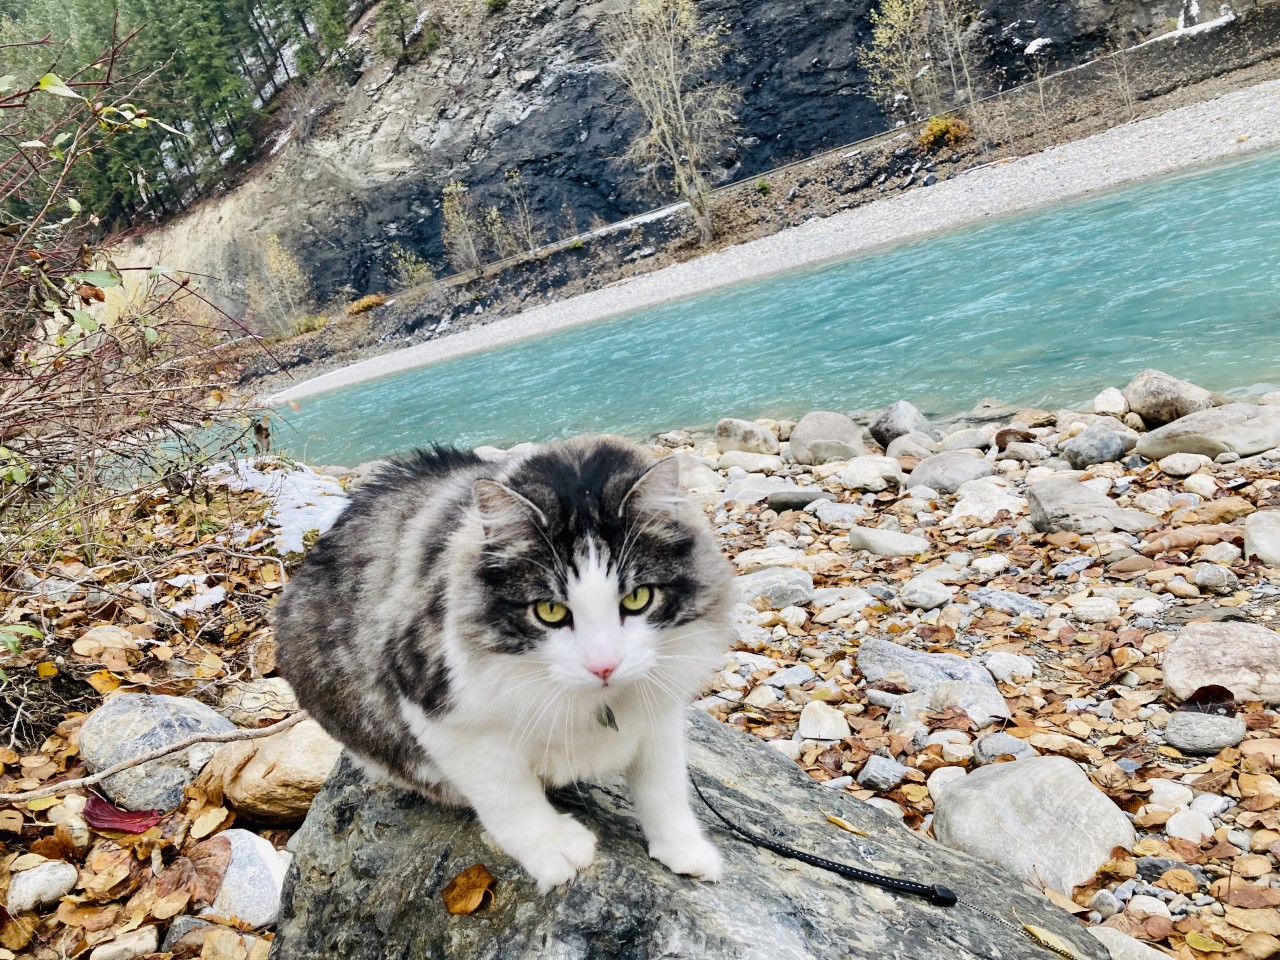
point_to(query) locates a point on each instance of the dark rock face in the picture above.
(370, 864)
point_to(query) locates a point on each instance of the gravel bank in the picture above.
(1239, 122)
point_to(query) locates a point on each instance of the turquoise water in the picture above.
(1180, 272)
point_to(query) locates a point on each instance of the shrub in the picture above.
(762, 187)
(407, 268)
(365, 304)
(495, 6)
(948, 130)
(311, 323)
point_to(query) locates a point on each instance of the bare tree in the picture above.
(665, 57)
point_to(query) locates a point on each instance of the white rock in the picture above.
(1262, 536)
(1151, 906)
(1121, 946)
(44, 883)
(887, 543)
(872, 474)
(1200, 484)
(991, 566)
(792, 749)
(1110, 403)
(1095, 610)
(823, 436)
(127, 946)
(762, 696)
(941, 777)
(1241, 428)
(845, 608)
(1160, 398)
(265, 698)
(743, 435)
(923, 593)
(981, 701)
(1189, 825)
(1010, 667)
(1042, 818)
(1211, 806)
(819, 721)
(1183, 464)
(275, 778)
(750, 561)
(751, 462)
(251, 886)
(780, 586)
(1243, 657)
(1170, 795)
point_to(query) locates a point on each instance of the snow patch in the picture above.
(301, 499)
(1036, 45)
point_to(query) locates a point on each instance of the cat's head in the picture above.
(595, 564)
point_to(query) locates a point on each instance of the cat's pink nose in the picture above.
(603, 670)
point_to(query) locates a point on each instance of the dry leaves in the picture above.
(469, 890)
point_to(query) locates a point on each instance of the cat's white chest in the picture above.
(581, 747)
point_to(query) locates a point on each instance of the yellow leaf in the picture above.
(103, 681)
(1050, 939)
(26, 862)
(1204, 942)
(844, 824)
(172, 905)
(208, 822)
(44, 803)
(915, 792)
(46, 670)
(466, 893)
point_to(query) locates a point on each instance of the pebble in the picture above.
(1201, 484)
(1211, 805)
(1010, 667)
(1095, 610)
(822, 436)
(947, 471)
(1215, 579)
(1106, 903)
(42, 884)
(780, 586)
(924, 594)
(796, 676)
(1182, 464)
(887, 543)
(1170, 795)
(1189, 825)
(941, 777)
(899, 419)
(1007, 602)
(127, 946)
(1152, 906)
(819, 721)
(1203, 733)
(745, 436)
(990, 748)
(881, 773)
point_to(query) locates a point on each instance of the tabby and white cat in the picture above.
(480, 630)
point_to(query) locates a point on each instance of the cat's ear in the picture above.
(657, 490)
(501, 508)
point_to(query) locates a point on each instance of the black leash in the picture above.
(936, 894)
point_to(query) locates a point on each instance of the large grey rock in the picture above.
(44, 883)
(821, 437)
(1243, 657)
(746, 436)
(1202, 733)
(1262, 536)
(780, 586)
(899, 419)
(131, 724)
(1159, 398)
(1241, 428)
(887, 543)
(371, 861)
(945, 472)
(1041, 817)
(1095, 444)
(878, 659)
(1063, 504)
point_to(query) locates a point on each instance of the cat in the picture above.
(480, 630)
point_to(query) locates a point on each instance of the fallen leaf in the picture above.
(104, 815)
(844, 824)
(1204, 942)
(466, 893)
(103, 681)
(11, 821)
(46, 669)
(208, 822)
(1048, 938)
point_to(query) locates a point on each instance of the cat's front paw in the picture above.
(694, 857)
(559, 854)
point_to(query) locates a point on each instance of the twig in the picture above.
(229, 737)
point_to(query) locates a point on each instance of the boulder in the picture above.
(131, 724)
(746, 436)
(1241, 428)
(821, 437)
(1262, 536)
(1243, 657)
(1159, 398)
(945, 472)
(1041, 818)
(1062, 504)
(371, 862)
(899, 419)
(275, 778)
(780, 586)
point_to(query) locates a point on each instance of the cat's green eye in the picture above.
(551, 612)
(637, 599)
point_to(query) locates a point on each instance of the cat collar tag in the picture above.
(605, 717)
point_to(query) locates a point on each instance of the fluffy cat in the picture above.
(480, 630)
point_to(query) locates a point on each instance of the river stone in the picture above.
(881, 773)
(796, 498)
(751, 462)
(918, 445)
(993, 746)
(1241, 428)
(879, 658)
(887, 543)
(129, 945)
(982, 701)
(131, 724)
(821, 721)
(1062, 504)
(822, 436)
(265, 698)
(371, 861)
(1159, 398)
(1243, 657)
(746, 436)
(1009, 602)
(780, 586)
(255, 876)
(1202, 733)
(970, 438)
(1095, 609)
(275, 778)
(1009, 667)
(1096, 444)
(872, 474)
(696, 476)
(1262, 536)
(1121, 946)
(1110, 403)
(924, 593)
(1189, 825)
(1182, 464)
(44, 883)
(945, 472)
(1215, 578)
(1041, 817)
(899, 419)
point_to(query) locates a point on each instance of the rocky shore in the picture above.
(1044, 639)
